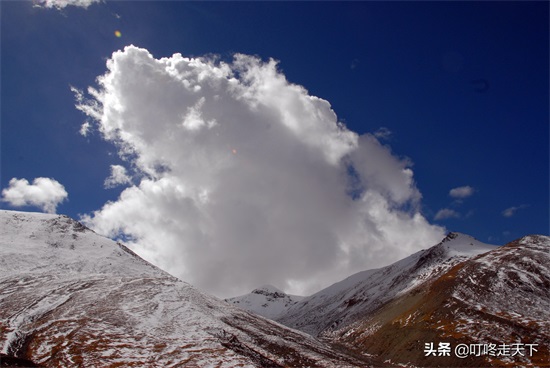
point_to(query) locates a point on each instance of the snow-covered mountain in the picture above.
(495, 306)
(360, 294)
(267, 301)
(69, 297)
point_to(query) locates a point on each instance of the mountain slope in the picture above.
(498, 302)
(359, 295)
(267, 301)
(69, 297)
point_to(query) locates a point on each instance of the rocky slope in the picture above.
(69, 297)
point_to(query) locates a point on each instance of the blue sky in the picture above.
(461, 90)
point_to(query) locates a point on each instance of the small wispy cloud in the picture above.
(119, 176)
(446, 213)
(383, 133)
(85, 129)
(462, 192)
(44, 193)
(511, 211)
(87, 106)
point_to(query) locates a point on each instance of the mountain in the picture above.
(360, 294)
(69, 297)
(496, 304)
(267, 301)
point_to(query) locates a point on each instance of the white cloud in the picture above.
(85, 129)
(119, 176)
(246, 178)
(446, 213)
(44, 193)
(60, 4)
(462, 192)
(383, 133)
(511, 211)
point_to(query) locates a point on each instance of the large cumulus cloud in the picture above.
(242, 178)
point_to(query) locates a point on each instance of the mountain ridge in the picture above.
(365, 291)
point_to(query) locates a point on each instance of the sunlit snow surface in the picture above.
(69, 297)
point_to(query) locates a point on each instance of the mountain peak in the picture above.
(543, 240)
(459, 244)
(268, 290)
(267, 301)
(455, 234)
